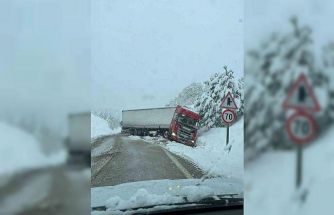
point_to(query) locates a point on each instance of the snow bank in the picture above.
(21, 151)
(99, 127)
(134, 137)
(211, 153)
(155, 139)
(270, 181)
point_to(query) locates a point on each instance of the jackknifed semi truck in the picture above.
(175, 123)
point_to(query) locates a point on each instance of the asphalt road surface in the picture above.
(56, 190)
(131, 160)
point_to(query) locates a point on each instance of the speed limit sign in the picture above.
(300, 127)
(228, 116)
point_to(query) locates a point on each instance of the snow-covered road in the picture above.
(129, 159)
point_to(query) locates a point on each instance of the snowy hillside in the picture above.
(211, 153)
(113, 117)
(21, 151)
(277, 171)
(99, 127)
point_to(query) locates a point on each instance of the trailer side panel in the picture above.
(148, 118)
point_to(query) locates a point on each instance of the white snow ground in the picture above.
(211, 153)
(21, 151)
(270, 181)
(148, 193)
(99, 127)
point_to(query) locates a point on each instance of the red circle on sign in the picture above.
(291, 130)
(227, 120)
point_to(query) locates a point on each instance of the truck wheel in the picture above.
(166, 134)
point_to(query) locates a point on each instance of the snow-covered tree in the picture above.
(328, 55)
(240, 95)
(209, 103)
(188, 95)
(270, 71)
(328, 67)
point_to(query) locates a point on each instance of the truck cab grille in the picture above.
(184, 134)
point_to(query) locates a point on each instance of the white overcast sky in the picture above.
(55, 54)
(265, 16)
(44, 60)
(145, 52)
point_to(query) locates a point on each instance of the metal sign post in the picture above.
(299, 167)
(228, 117)
(227, 134)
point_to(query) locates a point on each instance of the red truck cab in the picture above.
(184, 126)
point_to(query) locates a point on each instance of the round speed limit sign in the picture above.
(300, 127)
(228, 116)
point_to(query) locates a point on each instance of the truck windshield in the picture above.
(187, 121)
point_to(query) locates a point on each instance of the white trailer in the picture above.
(145, 120)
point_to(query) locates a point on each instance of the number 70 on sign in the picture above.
(228, 116)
